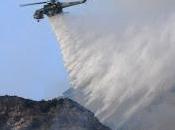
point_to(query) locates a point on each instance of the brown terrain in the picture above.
(58, 114)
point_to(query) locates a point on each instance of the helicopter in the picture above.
(51, 8)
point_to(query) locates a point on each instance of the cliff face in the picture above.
(63, 114)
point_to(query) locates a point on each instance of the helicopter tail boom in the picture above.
(68, 4)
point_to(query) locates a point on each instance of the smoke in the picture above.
(120, 60)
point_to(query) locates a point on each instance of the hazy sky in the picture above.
(31, 64)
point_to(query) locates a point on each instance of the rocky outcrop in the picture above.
(57, 114)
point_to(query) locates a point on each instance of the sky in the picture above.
(31, 64)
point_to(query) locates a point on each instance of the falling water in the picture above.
(121, 62)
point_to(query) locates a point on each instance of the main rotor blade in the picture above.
(32, 4)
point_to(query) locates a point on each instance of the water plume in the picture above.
(122, 68)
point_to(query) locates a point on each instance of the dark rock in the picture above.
(62, 114)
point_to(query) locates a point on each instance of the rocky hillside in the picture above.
(63, 114)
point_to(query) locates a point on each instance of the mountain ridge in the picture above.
(17, 113)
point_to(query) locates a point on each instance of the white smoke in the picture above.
(122, 61)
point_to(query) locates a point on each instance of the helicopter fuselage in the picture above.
(49, 10)
(51, 7)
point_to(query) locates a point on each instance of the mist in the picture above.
(120, 60)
